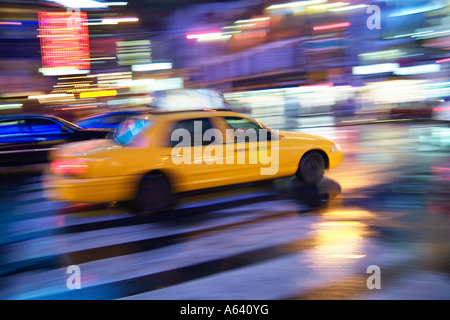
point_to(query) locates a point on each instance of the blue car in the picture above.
(107, 120)
(28, 138)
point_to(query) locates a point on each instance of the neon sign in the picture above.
(64, 43)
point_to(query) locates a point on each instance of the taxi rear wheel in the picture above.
(311, 168)
(154, 195)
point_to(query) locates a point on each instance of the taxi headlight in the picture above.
(335, 147)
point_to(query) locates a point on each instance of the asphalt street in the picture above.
(385, 206)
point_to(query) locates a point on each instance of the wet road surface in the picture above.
(385, 206)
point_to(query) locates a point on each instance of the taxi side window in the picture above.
(191, 128)
(246, 129)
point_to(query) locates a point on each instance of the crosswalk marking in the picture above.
(278, 278)
(42, 248)
(262, 249)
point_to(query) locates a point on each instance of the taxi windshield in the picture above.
(129, 129)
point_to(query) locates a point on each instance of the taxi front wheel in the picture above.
(311, 168)
(154, 195)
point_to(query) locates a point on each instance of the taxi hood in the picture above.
(303, 136)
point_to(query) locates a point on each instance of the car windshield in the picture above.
(70, 125)
(129, 129)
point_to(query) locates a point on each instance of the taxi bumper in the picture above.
(90, 190)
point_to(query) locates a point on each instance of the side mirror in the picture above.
(64, 129)
(111, 134)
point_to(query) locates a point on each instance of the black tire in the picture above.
(311, 168)
(153, 196)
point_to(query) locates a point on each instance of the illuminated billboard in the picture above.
(64, 40)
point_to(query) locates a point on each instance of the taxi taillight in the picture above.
(72, 167)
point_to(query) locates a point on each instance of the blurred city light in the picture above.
(443, 60)
(326, 6)
(97, 94)
(152, 66)
(376, 68)
(204, 35)
(332, 26)
(349, 8)
(87, 4)
(287, 58)
(252, 20)
(426, 68)
(294, 4)
(382, 55)
(418, 8)
(64, 50)
(11, 23)
(114, 21)
(11, 106)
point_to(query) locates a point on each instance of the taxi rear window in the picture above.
(131, 128)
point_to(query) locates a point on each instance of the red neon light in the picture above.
(443, 60)
(332, 26)
(64, 40)
(440, 109)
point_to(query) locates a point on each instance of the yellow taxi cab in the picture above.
(155, 156)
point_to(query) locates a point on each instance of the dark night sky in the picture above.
(150, 12)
